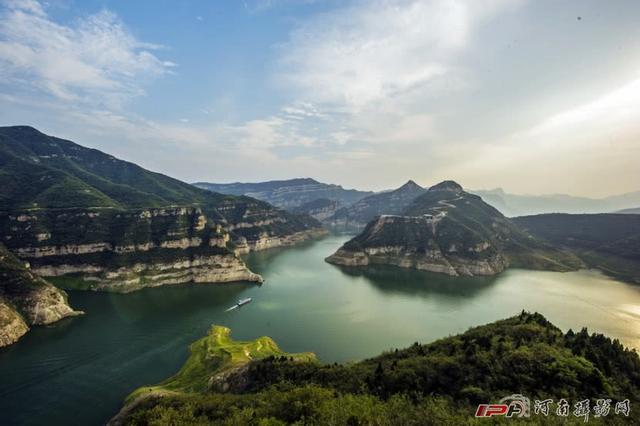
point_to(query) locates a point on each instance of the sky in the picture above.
(535, 97)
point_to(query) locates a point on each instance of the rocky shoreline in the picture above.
(124, 251)
(432, 261)
(27, 300)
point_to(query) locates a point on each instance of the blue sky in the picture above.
(532, 96)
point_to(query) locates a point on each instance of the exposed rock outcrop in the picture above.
(12, 325)
(320, 209)
(26, 299)
(423, 252)
(265, 241)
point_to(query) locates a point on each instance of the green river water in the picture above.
(79, 370)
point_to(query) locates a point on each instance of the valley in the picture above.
(331, 213)
(90, 222)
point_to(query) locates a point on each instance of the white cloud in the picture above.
(377, 49)
(593, 146)
(257, 6)
(96, 60)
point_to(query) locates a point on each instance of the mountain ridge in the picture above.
(448, 230)
(289, 194)
(74, 210)
(361, 212)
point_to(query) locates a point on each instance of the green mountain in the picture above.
(450, 231)
(439, 383)
(388, 202)
(26, 299)
(609, 242)
(289, 194)
(71, 210)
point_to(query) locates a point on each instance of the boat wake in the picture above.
(241, 302)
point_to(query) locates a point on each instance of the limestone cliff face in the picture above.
(125, 250)
(265, 241)
(189, 269)
(26, 299)
(412, 242)
(114, 250)
(12, 325)
(321, 209)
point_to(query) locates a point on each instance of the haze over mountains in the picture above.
(630, 211)
(288, 193)
(520, 205)
(292, 194)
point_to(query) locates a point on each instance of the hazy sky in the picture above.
(532, 96)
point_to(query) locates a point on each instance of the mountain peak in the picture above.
(447, 185)
(20, 130)
(410, 185)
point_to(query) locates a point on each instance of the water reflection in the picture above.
(403, 281)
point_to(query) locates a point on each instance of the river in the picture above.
(79, 370)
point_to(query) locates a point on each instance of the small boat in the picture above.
(241, 302)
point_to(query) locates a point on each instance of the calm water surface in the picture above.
(80, 370)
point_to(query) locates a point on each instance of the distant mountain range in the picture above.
(289, 194)
(519, 205)
(335, 205)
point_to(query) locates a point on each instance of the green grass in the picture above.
(213, 354)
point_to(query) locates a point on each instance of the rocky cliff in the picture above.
(450, 231)
(413, 242)
(320, 209)
(26, 299)
(103, 223)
